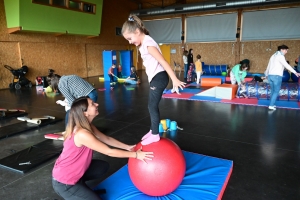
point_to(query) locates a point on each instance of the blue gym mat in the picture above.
(205, 178)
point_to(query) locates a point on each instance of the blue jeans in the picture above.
(275, 84)
(157, 86)
(185, 70)
(92, 95)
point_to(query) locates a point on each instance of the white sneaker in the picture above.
(272, 108)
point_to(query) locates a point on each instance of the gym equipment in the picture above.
(37, 120)
(13, 129)
(286, 76)
(210, 82)
(294, 77)
(160, 128)
(214, 69)
(125, 58)
(173, 126)
(161, 175)
(19, 79)
(54, 136)
(261, 90)
(33, 156)
(226, 91)
(8, 113)
(164, 124)
(205, 178)
(223, 78)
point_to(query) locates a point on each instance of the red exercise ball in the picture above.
(161, 175)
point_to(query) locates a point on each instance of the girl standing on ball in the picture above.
(157, 70)
(75, 165)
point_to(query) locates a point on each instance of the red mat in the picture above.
(243, 101)
(179, 96)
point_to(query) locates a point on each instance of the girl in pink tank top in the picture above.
(157, 70)
(75, 165)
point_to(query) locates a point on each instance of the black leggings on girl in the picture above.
(80, 190)
(157, 86)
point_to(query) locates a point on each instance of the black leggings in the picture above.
(157, 86)
(80, 190)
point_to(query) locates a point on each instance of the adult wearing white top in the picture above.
(274, 73)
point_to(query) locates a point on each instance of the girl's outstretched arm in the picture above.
(157, 55)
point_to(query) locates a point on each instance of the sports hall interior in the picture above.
(264, 146)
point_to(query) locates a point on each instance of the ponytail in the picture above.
(134, 23)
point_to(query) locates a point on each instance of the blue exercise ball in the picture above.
(294, 77)
(286, 76)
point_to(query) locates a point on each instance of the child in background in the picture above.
(72, 87)
(189, 78)
(133, 78)
(198, 65)
(241, 91)
(157, 70)
(120, 71)
(185, 62)
(111, 73)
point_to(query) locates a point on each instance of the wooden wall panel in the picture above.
(211, 53)
(65, 59)
(260, 52)
(9, 54)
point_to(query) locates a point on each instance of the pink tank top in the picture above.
(72, 162)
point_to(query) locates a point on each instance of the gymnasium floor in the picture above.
(264, 145)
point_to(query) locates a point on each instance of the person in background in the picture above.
(199, 71)
(73, 87)
(185, 62)
(120, 71)
(133, 78)
(190, 57)
(111, 73)
(191, 70)
(75, 164)
(274, 73)
(239, 72)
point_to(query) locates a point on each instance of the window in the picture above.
(74, 5)
(277, 24)
(165, 30)
(88, 8)
(77, 5)
(42, 1)
(211, 28)
(61, 3)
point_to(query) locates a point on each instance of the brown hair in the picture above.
(77, 118)
(198, 56)
(54, 80)
(185, 52)
(133, 23)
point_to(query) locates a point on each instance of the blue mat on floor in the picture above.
(279, 104)
(205, 178)
(203, 98)
(191, 90)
